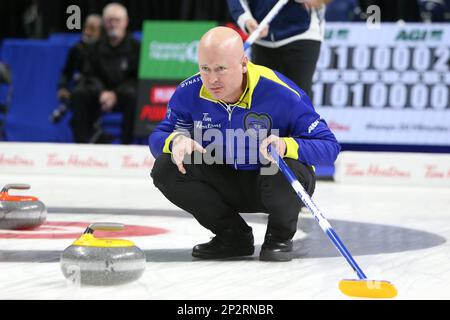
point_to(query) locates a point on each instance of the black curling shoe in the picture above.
(226, 245)
(275, 249)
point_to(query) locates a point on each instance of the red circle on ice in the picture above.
(72, 230)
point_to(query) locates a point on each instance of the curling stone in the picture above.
(102, 262)
(20, 212)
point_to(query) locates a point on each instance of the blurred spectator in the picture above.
(5, 75)
(343, 11)
(33, 21)
(111, 78)
(291, 44)
(78, 54)
(5, 95)
(433, 10)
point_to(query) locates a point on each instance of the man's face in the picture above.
(116, 23)
(222, 74)
(91, 32)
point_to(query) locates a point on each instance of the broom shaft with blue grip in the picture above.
(315, 211)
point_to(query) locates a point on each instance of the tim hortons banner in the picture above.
(390, 168)
(80, 160)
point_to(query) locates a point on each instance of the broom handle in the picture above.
(267, 19)
(315, 211)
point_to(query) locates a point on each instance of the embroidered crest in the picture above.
(256, 124)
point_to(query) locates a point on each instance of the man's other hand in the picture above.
(181, 146)
(276, 142)
(63, 94)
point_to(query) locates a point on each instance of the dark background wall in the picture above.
(52, 13)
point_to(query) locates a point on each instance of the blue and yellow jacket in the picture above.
(270, 101)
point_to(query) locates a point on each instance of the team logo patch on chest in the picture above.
(257, 123)
(207, 122)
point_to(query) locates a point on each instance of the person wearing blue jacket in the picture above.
(291, 44)
(211, 149)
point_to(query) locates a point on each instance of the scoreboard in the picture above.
(385, 86)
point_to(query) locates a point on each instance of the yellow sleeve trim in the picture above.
(167, 142)
(291, 148)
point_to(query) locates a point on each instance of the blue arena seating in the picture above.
(36, 66)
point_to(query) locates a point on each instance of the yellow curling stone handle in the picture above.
(88, 239)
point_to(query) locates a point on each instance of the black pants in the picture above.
(216, 194)
(86, 111)
(296, 60)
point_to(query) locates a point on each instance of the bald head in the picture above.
(223, 63)
(116, 10)
(222, 41)
(115, 18)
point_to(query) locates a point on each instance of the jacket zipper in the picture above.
(230, 113)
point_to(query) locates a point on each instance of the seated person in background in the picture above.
(78, 54)
(5, 95)
(110, 82)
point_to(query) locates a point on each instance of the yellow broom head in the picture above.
(368, 288)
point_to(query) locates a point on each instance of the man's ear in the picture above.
(245, 64)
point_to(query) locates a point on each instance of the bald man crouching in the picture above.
(206, 119)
